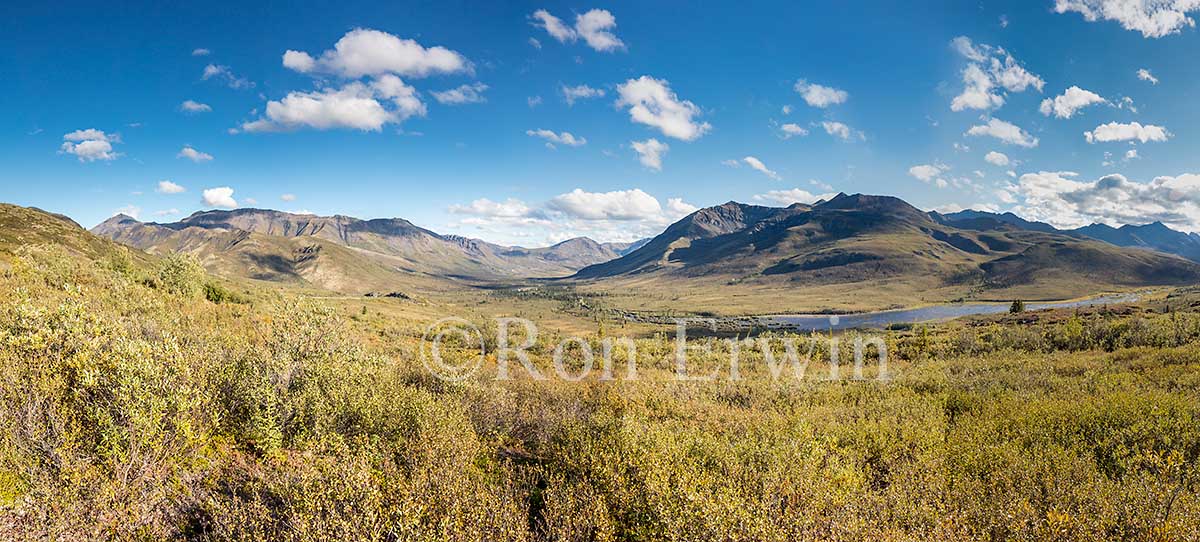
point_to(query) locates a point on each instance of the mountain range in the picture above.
(850, 242)
(863, 238)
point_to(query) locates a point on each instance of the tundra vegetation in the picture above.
(149, 401)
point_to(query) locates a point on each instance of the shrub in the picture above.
(180, 274)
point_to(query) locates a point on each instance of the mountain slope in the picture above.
(1154, 236)
(229, 239)
(862, 245)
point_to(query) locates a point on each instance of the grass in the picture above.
(133, 408)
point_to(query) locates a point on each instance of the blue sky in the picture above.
(878, 98)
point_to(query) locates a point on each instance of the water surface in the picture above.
(881, 319)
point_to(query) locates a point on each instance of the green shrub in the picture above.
(180, 274)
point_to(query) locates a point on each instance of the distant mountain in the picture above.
(1154, 236)
(878, 240)
(275, 245)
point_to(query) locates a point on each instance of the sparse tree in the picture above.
(1018, 306)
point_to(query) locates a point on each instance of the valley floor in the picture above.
(150, 402)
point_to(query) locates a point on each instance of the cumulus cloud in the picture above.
(997, 159)
(357, 106)
(930, 173)
(287, 197)
(1064, 201)
(620, 215)
(363, 52)
(1006, 132)
(225, 75)
(1145, 75)
(192, 106)
(650, 152)
(1115, 131)
(561, 138)
(788, 197)
(792, 129)
(554, 26)
(990, 70)
(194, 155)
(1153, 18)
(580, 92)
(510, 208)
(168, 187)
(595, 27)
(90, 145)
(616, 205)
(464, 94)
(820, 95)
(221, 196)
(841, 131)
(652, 102)
(1070, 102)
(200, 52)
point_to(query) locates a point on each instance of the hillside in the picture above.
(861, 251)
(29, 226)
(274, 245)
(1154, 236)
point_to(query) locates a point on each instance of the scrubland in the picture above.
(149, 402)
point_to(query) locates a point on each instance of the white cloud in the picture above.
(760, 167)
(1070, 102)
(792, 129)
(554, 26)
(1006, 132)
(533, 42)
(465, 94)
(562, 138)
(371, 52)
(533, 101)
(510, 208)
(977, 93)
(1131, 154)
(191, 106)
(200, 52)
(997, 159)
(788, 197)
(168, 187)
(226, 75)
(652, 102)
(194, 155)
(132, 211)
(650, 152)
(595, 27)
(1062, 200)
(841, 131)
(579, 92)
(1115, 131)
(990, 69)
(617, 205)
(167, 212)
(287, 197)
(820, 95)
(221, 196)
(786, 110)
(1153, 18)
(355, 106)
(930, 173)
(90, 145)
(1145, 75)
(621, 215)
